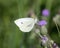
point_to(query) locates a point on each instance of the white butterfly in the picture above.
(25, 24)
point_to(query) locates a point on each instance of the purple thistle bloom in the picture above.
(45, 12)
(54, 45)
(42, 23)
(44, 40)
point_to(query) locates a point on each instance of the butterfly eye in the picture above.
(21, 22)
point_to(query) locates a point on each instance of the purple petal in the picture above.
(42, 22)
(44, 39)
(45, 12)
(54, 45)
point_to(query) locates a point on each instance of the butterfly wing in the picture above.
(25, 24)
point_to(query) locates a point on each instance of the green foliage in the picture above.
(10, 35)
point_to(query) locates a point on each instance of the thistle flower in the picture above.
(56, 19)
(45, 12)
(44, 30)
(55, 45)
(44, 39)
(42, 23)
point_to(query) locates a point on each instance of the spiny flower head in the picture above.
(42, 23)
(45, 12)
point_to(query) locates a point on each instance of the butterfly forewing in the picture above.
(25, 24)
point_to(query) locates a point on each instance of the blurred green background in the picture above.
(10, 10)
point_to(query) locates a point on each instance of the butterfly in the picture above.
(26, 24)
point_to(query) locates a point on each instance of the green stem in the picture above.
(49, 6)
(58, 29)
